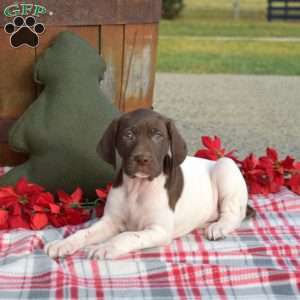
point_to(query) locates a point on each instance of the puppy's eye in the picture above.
(156, 133)
(129, 135)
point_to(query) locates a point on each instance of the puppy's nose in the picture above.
(142, 159)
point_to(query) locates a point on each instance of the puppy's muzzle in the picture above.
(141, 165)
(142, 159)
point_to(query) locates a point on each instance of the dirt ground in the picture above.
(249, 113)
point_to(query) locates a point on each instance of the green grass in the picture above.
(229, 28)
(205, 18)
(229, 57)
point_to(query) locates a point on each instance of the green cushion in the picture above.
(62, 127)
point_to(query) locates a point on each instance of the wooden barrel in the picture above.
(125, 32)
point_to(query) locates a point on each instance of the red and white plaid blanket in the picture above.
(261, 260)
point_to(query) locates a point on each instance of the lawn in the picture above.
(192, 43)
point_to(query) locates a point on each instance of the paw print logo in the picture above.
(24, 31)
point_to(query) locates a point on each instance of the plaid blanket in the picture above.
(261, 260)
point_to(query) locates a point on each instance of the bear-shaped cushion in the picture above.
(60, 130)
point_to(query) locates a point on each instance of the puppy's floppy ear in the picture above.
(107, 146)
(177, 144)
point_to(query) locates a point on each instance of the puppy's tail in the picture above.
(250, 212)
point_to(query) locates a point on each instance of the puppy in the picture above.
(159, 192)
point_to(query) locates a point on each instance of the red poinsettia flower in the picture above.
(72, 200)
(58, 220)
(10, 200)
(45, 202)
(20, 195)
(272, 180)
(42, 206)
(25, 206)
(3, 218)
(294, 183)
(278, 171)
(7, 193)
(75, 216)
(252, 174)
(26, 188)
(289, 163)
(214, 149)
(72, 213)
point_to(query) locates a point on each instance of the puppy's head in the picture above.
(144, 140)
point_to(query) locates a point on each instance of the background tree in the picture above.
(171, 8)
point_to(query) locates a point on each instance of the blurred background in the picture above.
(231, 68)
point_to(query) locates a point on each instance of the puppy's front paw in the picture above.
(59, 248)
(105, 251)
(216, 231)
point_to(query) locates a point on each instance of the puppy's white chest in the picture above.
(134, 215)
(136, 210)
(143, 200)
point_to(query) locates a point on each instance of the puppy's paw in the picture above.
(216, 231)
(105, 251)
(59, 248)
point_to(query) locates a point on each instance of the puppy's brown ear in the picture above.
(177, 144)
(107, 146)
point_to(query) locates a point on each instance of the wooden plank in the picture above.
(112, 37)
(17, 90)
(16, 84)
(140, 45)
(78, 12)
(89, 33)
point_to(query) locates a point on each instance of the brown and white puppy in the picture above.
(159, 192)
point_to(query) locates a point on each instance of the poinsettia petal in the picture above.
(99, 211)
(77, 195)
(254, 188)
(207, 141)
(201, 153)
(33, 189)
(16, 209)
(274, 186)
(45, 198)
(272, 154)
(253, 160)
(54, 208)
(7, 192)
(17, 222)
(216, 143)
(24, 187)
(297, 165)
(21, 186)
(77, 216)
(39, 221)
(101, 193)
(207, 154)
(294, 183)
(64, 197)
(3, 216)
(288, 163)
(38, 208)
(57, 220)
(267, 164)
